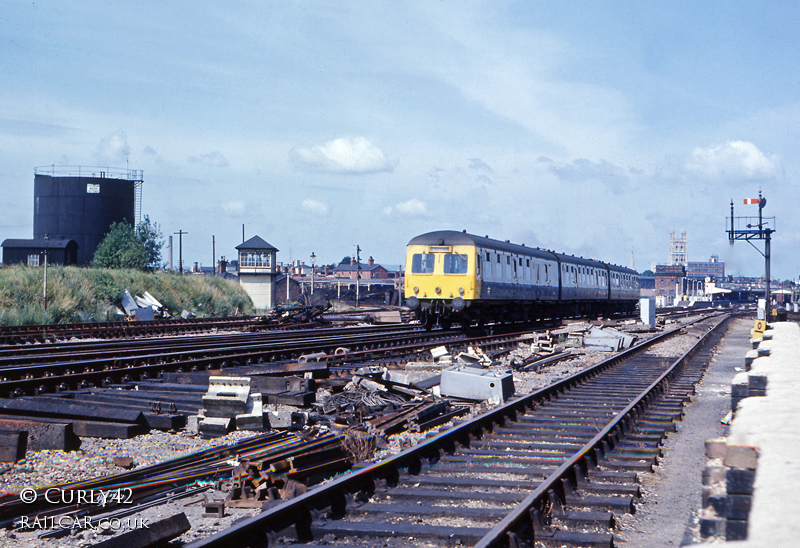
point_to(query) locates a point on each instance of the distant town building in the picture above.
(258, 271)
(677, 249)
(369, 271)
(713, 269)
(668, 280)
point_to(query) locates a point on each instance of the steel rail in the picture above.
(298, 511)
(519, 524)
(42, 333)
(36, 378)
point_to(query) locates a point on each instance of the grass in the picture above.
(89, 294)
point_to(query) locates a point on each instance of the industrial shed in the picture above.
(60, 251)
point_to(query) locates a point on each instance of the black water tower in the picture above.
(81, 203)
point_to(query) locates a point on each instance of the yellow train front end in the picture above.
(441, 279)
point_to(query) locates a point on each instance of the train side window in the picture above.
(488, 256)
(422, 263)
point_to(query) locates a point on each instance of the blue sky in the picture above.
(593, 128)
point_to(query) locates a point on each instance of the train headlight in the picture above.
(416, 289)
(438, 290)
(460, 290)
(412, 303)
(458, 304)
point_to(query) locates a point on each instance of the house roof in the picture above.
(37, 243)
(352, 267)
(256, 242)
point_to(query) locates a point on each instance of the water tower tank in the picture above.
(81, 204)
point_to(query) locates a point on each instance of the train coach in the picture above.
(458, 277)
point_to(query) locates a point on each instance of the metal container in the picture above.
(79, 205)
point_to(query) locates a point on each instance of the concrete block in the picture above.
(466, 382)
(738, 507)
(712, 527)
(741, 456)
(226, 396)
(739, 481)
(748, 359)
(758, 382)
(735, 530)
(279, 419)
(215, 427)
(715, 449)
(740, 391)
(408, 377)
(719, 503)
(438, 352)
(713, 474)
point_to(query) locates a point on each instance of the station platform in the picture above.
(752, 477)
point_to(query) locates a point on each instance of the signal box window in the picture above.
(455, 263)
(422, 263)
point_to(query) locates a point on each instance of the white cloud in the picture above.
(343, 155)
(113, 150)
(235, 208)
(210, 159)
(732, 160)
(313, 206)
(411, 208)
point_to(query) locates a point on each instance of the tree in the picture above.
(648, 272)
(127, 247)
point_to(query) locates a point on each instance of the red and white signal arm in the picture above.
(752, 201)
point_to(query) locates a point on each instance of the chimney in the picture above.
(371, 261)
(352, 261)
(327, 272)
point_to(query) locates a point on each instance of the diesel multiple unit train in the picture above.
(458, 277)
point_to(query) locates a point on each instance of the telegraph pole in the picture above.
(180, 234)
(358, 273)
(46, 253)
(755, 231)
(313, 258)
(213, 255)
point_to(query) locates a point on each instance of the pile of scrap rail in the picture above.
(250, 473)
(553, 346)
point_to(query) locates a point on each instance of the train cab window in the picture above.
(422, 263)
(455, 263)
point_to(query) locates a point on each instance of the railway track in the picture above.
(22, 334)
(550, 468)
(35, 370)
